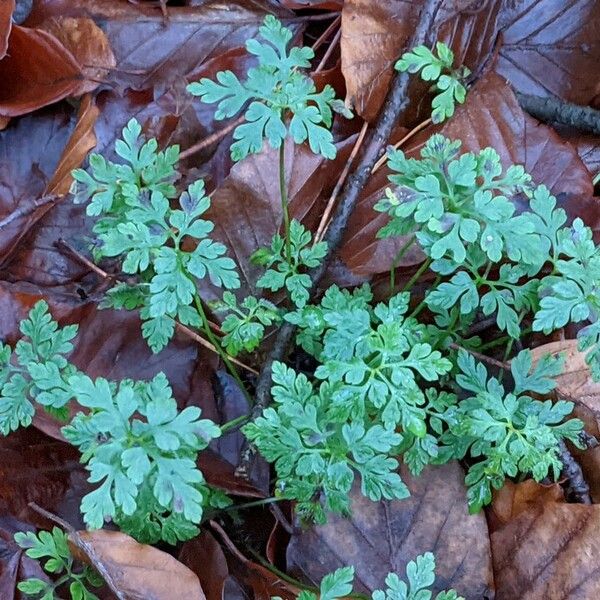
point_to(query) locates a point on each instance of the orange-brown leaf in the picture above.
(138, 571)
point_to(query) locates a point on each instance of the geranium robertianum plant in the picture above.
(394, 380)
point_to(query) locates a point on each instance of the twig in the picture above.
(576, 488)
(281, 518)
(26, 209)
(323, 224)
(329, 52)
(553, 110)
(85, 547)
(323, 37)
(482, 357)
(215, 137)
(405, 139)
(61, 244)
(396, 103)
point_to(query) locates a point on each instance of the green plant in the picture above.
(284, 102)
(137, 445)
(448, 81)
(54, 548)
(420, 574)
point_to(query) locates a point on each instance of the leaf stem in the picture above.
(254, 503)
(233, 424)
(403, 250)
(284, 203)
(215, 342)
(418, 274)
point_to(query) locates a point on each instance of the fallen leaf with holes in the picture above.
(138, 571)
(549, 552)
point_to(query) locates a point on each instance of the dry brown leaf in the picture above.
(380, 537)
(552, 48)
(89, 46)
(6, 10)
(551, 551)
(82, 140)
(139, 571)
(514, 498)
(36, 71)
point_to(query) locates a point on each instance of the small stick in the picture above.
(397, 145)
(211, 139)
(329, 52)
(321, 39)
(182, 328)
(482, 357)
(27, 209)
(324, 223)
(553, 110)
(86, 547)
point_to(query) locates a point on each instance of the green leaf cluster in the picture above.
(137, 445)
(36, 371)
(167, 249)
(282, 100)
(509, 432)
(244, 326)
(420, 575)
(449, 86)
(282, 273)
(53, 548)
(496, 258)
(368, 407)
(141, 450)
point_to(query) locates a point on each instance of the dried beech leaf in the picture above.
(138, 571)
(576, 385)
(82, 140)
(6, 10)
(433, 518)
(37, 70)
(549, 552)
(88, 44)
(552, 48)
(514, 498)
(152, 51)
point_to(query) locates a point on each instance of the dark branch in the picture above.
(553, 110)
(395, 104)
(576, 488)
(26, 209)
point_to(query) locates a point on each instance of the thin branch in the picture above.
(324, 223)
(212, 139)
(334, 43)
(396, 103)
(482, 357)
(87, 548)
(397, 145)
(323, 37)
(61, 244)
(26, 209)
(576, 487)
(553, 110)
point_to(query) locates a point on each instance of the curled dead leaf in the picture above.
(137, 571)
(89, 46)
(6, 11)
